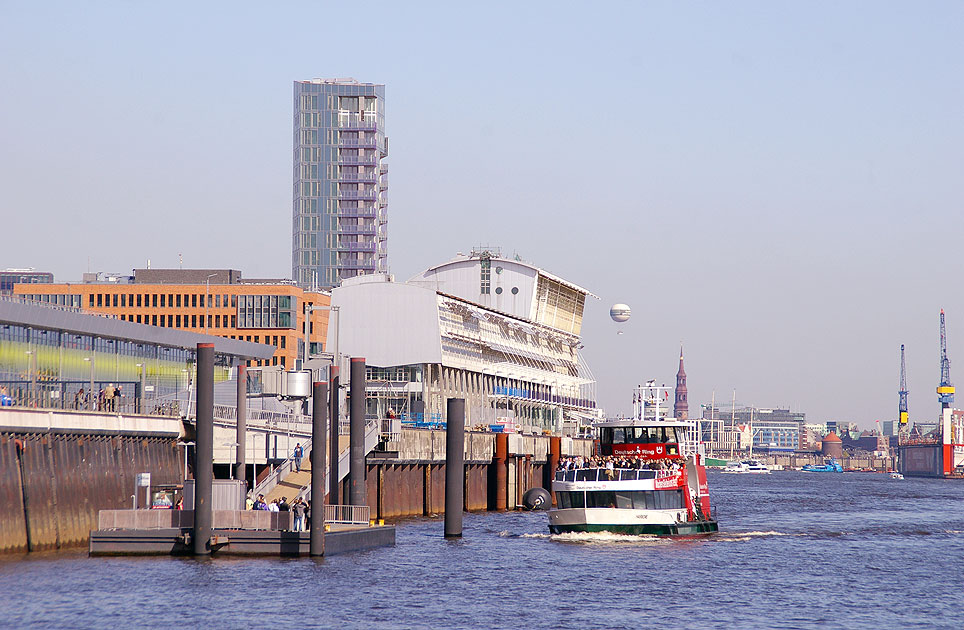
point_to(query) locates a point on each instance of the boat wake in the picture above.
(607, 538)
(747, 536)
(591, 538)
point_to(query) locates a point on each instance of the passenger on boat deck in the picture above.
(612, 462)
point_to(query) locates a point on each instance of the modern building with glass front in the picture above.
(340, 192)
(212, 301)
(55, 356)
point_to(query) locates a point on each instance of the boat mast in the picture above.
(713, 435)
(751, 432)
(732, 424)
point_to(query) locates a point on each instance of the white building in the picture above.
(500, 333)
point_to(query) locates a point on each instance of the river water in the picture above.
(795, 550)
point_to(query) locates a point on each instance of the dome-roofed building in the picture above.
(832, 445)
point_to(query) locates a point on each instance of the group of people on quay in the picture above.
(300, 509)
(614, 462)
(109, 398)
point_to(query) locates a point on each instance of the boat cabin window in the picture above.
(586, 474)
(632, 499)
(567, 500)
(601, 499)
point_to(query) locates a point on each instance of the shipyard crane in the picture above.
(945, 391)
(945, 394)
(902, 393)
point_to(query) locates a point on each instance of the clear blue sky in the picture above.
(778, 185)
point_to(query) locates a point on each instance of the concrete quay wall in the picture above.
(798, 460)
(59, 469)
(409, 479)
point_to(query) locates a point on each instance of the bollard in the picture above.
(319, 422)
(204, 450)
(334, 483)
(357, 490)
(552, 463)
(500, 461)
(239, 469)
(454, 466)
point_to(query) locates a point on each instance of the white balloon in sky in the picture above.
(620, 313)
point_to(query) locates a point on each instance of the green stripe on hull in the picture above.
(696, 528)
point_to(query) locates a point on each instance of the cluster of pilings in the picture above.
(321, 406)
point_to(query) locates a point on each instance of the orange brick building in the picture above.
(211, 301)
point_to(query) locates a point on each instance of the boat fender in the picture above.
(536, 499)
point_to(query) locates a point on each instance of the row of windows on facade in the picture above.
(143, 300)
(253, 311)
(354, 103)
(213, 321)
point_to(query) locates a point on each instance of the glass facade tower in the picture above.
(340, 210)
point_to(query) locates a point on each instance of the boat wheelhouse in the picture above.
(649, 479)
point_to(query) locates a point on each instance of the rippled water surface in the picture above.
(795, 550)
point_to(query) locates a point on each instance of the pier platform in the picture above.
(242, 533)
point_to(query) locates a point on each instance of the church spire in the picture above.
(681, 408)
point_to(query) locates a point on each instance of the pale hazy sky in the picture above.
(778, 185)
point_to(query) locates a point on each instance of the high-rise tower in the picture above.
(681, 408)
(340, 193)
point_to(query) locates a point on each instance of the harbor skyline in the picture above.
(774, 186)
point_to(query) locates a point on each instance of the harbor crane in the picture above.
(950, 438)
(902, 405)
(945, 391)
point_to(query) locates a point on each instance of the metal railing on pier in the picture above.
(351, 514)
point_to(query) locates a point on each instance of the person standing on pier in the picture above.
(298, 508)
(109, 397)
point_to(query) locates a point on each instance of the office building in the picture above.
(340, 191)
(216, 302)
(776, 429)
(10, 277)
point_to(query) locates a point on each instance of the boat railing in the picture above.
(603, 474)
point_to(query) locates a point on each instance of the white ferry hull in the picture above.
(628, 521)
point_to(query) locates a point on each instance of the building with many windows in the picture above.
(54, 356)
(340, 192)
(502, 334)
(777, 429)
(10, 277)
(216, 302)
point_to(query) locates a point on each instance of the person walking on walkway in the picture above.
(297, 455)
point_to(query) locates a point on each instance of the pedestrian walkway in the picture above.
(294, 482)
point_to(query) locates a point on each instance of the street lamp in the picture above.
(308, 311)
(234, 446)
(90, 392)
(142, 395)
(207, 298)
(186, 445)
(32, 373)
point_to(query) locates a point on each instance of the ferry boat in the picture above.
(830, 465)
(650, 479)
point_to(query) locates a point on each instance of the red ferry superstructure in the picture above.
(650, 479)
